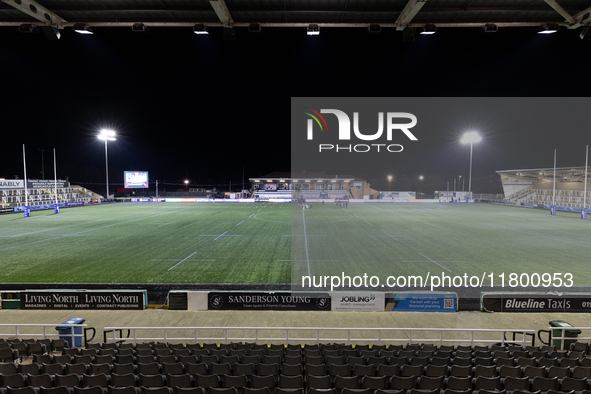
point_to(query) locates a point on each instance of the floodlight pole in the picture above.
(27, 212)
(470, 179)
(584, 210)
(42, 164)
(107, 168)
(55, 207)
(553, 209)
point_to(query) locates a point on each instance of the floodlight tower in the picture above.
(470, 137)
(421, 179)
(107, 135)
(390, 182)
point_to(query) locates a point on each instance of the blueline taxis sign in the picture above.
(82, 300)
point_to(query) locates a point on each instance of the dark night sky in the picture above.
(202, 108)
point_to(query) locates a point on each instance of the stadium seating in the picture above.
(323, 369)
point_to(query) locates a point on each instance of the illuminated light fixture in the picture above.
(333, 181)
(471, 137)
(548, 28)
(408, 34)
(254, 28)
(28, 28)
(256, 180)
(200, 28)
(282, 180)
(269, 180)
(320, 180)
(82, 28)
(51, 32)
(429, 29)
(313, 30)
(307, 180)
(374, 28)
(585, 33)
(107, 135)
(139, 28)
(489, 28)
(294, 180)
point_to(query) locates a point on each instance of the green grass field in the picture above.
(277, 243)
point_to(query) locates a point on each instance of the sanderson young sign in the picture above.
(277, 301)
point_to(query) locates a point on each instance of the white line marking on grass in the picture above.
(92, 229)
(221, 235)
(303, 235)
(178, 260)
(435, 262)
(239, 223)
(182, 260)
(306, 260)
(395, 238)
(306, 242)
(368, 223)
(251, 215)
(58, 228)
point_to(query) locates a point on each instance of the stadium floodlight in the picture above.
(200, 28)
(82, 28)
(254, 28)
(408, 34)
(28, 28)
(186, 183)
(139, 28)
(374, 28)
(489, 28)
(470, 137)
(549, 28)
(107, 135)
(313, 30)
(429, 29)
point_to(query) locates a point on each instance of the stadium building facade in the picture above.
(537, 187)
(312, 185)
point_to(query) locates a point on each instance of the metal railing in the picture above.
(563, 337)
(227, 334)
(27, 331)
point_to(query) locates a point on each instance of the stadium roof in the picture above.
(397, 14)
(303, 175)
(570, 173)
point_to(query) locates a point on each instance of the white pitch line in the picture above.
(178, 260)
(57, 228)
(251, 215)
(239, 223)
(368, 223)
(434, 262)
(92, 229)
(391, 236)
(221, 235)
(182, 260)
(303, 235)
(305, 260)
(306, 242)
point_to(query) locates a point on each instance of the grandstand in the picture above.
(311, 185)
(534, 187)
(15, 197)
(214, 364)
